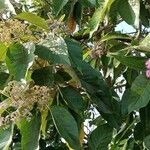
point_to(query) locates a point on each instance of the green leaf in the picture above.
(3, 79)
(44, 116)
(144, 15)
(144, 44)
(19, 59)
(115, 35)
(137, 63)
(139, 131)
(6, 137)
(74, 48)
(75, 52)
(53, 49)
(100, 137)
(77, 11)
(66, 126)
(147, 142)
(130, 11)
(43, 76)
(88, 3)
(139, 95)
(74, 99)
(99, 15)
(3, 50)
(30, 132)
(33, 19)
(58, 5)
(46, 54)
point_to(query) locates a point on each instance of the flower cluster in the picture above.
(12, 30)
(147, 64)
(23, 98)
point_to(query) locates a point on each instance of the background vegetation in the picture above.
(69, 80)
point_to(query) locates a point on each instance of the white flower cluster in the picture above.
(23, 98)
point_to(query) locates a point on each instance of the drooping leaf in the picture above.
(130, 11)
(144, 15)
(145, 44)
(74, 81)
(78, 12)
(6, 137)
(111, 36)
(138, 97)
(66, 126)
(136, 63)
(53, 49)
(44, 121)
(139, 131)
(19, 59)
(33, 19)
(30, 132)
(3, 79)
(100, 137)
(43, 76)
(99, 15)
(147, 142)
(58, 5)
(74, 49)
(74, 99)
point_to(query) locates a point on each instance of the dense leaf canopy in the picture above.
(69, 79)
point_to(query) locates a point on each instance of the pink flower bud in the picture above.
(148, 74)
(147, 64)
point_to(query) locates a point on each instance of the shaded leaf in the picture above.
(100, 137)
(66, 126)
(130, 11)
(74, 99)
(147, 142)
(3, 79)
(58, 5)
(43, 76)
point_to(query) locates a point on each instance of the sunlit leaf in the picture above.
(137, 63)
(99, 15)
(33, 19)
(19, 59)
(3, 50)
(6, 137)
(138, 97)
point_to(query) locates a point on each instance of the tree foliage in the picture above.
(69, 79)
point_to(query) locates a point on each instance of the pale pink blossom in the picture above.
(148, 74)
(147, 64)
